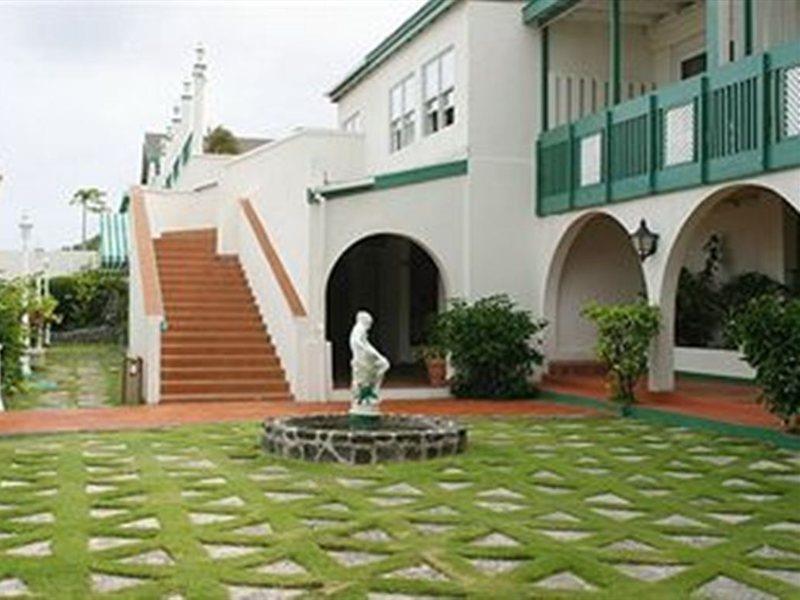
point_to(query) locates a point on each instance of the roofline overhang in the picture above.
(410, 29)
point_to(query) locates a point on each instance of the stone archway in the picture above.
(400, 284)
(594, 261)
(759, 232)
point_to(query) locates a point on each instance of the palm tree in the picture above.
(90, 200)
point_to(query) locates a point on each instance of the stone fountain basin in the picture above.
(392, 438)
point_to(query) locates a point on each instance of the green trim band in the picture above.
(673, 419)
(410, 29)
(396, 179)
(541, 12)
(715, 378)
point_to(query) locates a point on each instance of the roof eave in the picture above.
(410, 28)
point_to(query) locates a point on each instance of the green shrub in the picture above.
(624, 333)
(493, 347)
(768, 334)
(91, 299)
(11, 333)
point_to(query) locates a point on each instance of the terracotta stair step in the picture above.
(239, 298)
(252, 336)
(241, 325)
(199, 361)
(210, 386)
(576, 367)
(199, 307)
(193, 318)
(216, 373)
(227, 349)
(227, 397)
(179, 280)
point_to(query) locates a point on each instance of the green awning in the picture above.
(114, 240)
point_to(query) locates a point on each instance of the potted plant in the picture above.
(435, 358)
(434, 352)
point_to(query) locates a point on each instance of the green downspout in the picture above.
(747, 7)
(616, 52)
(545, 82)
(712, 34)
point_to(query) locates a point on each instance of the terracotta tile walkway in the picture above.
(133, 417)
(720, 401)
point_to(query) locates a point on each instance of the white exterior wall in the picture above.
(62, 262)
(276, 178)
(602, 267)
(503, 100)
(371, 98)
(201, 170)
(676, 217)
(144, 331)
(675, 39)
(752, 232)
(175, 211)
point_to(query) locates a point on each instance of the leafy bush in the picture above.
(91, 299)
(11, 333)
(703, 305)
(768, 334)
(624, 332)
(493, 347)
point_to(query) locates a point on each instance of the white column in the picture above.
(199, 112)
(25, 226)
(186, 107)
(46, 274)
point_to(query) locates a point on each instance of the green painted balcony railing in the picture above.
(735, 121)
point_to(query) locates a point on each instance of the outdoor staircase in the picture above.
(216, 347)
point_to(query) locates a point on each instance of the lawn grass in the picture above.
(74, 375)
(589, 501)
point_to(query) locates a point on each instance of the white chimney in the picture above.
(199, 112)
(186, 104)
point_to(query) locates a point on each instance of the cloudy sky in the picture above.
(80, 82)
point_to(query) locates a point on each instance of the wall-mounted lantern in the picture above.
(645, 242)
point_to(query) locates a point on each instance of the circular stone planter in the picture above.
(330, 438)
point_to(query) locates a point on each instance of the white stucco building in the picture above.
(499, 147)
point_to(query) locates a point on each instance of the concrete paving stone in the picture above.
(420, 572)
(725, 588)
(565, 580)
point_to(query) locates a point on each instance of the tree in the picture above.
(624, 332)
(90, 200)
(221, 141)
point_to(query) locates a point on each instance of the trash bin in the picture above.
(132, 380)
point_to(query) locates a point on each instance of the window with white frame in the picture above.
(402, 114)
(439, 85)
(353, 123)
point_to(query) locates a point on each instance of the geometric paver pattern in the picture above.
(534, 508)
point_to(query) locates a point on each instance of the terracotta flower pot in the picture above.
(437, 371)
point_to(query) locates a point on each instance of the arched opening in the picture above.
(738, 244)
(594, 262)
(398, 282)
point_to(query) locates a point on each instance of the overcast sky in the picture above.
(80, 83)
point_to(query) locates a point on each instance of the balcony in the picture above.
(734, 121)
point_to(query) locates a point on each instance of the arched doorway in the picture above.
(738, 243)
(399, 283)
(594, 261)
